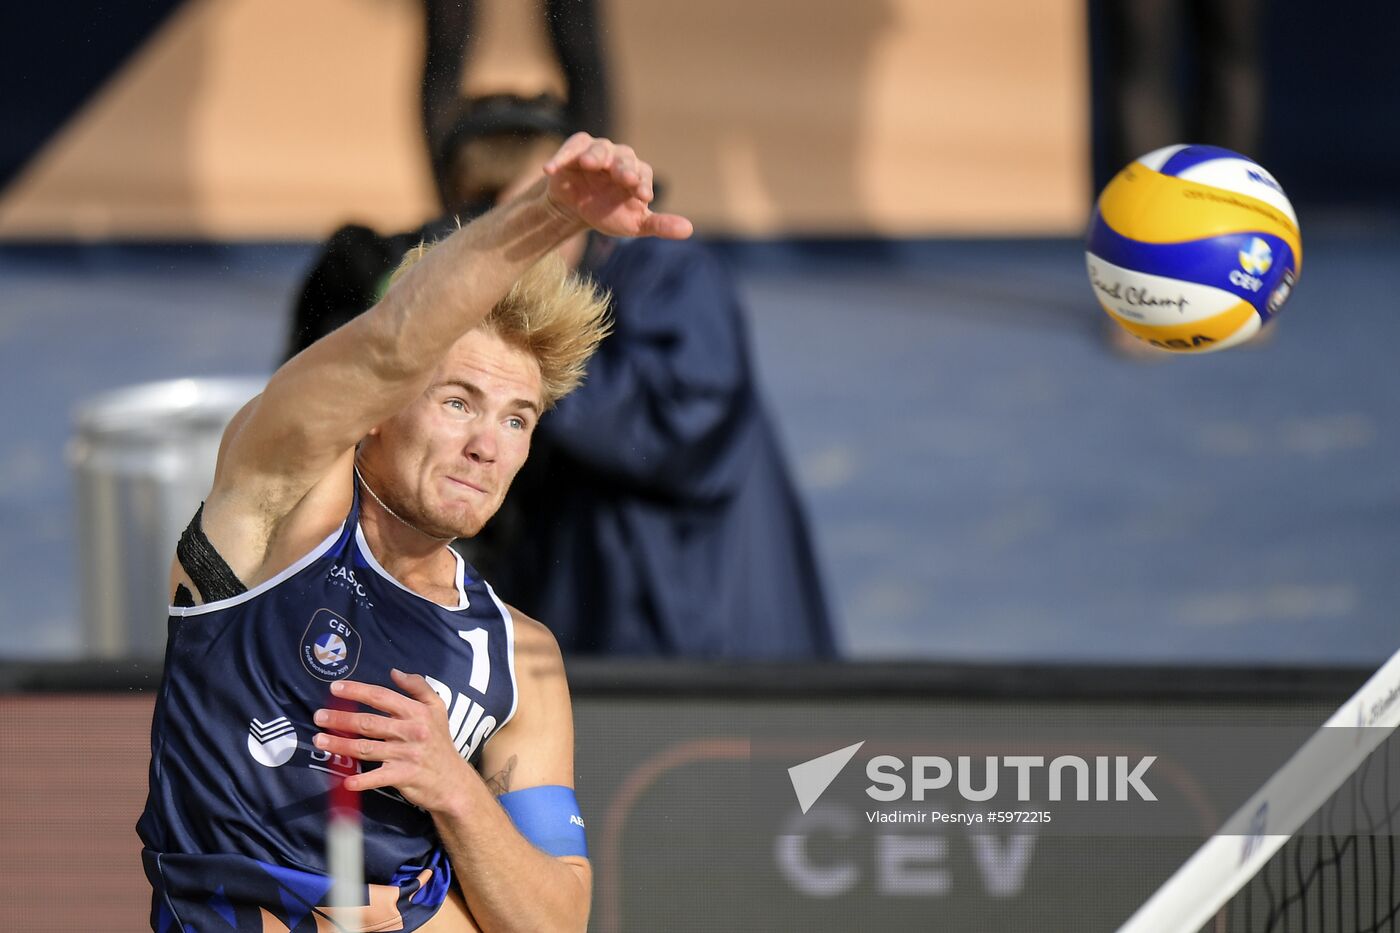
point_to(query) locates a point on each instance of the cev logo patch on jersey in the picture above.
(330, 647)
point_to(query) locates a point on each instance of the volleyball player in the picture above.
(317, 575)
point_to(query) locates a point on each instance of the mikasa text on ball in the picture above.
(1193, 248)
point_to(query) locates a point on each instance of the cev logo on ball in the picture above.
(1255, 261)
(1258, 259)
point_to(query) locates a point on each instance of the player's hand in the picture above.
(411, 740)
(603, 185)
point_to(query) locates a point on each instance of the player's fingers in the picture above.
(598, 156)
(381, 698)
(355, 724)
(416, 686)
(667, 226)
(361, 749)
(625, 168)
(573, 147)
(626, 175)
(645, 189)
(383, 776)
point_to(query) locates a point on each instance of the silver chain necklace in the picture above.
(395, 515)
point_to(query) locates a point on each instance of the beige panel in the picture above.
(259, 118)
(893, 116)
(243, 118)
(514, 53)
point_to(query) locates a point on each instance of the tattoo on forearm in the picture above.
(499, 783)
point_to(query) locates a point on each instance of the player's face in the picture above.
(446, 461)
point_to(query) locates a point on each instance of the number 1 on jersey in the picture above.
(481, 660)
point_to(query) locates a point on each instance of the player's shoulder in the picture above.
(533, 638)
(539, 667)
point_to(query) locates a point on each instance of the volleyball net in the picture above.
(1314, 849)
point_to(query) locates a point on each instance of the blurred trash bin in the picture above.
(142, 459)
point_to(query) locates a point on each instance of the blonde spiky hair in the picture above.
(552, 313)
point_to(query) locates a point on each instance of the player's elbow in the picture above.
(580, 897)
(577, 922)
(386, 347)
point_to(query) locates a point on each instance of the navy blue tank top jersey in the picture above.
(235, 822)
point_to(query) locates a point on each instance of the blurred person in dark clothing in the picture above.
(656, 514)
(660, 517)
(481, 154)
(1218, 102)
(575, 35)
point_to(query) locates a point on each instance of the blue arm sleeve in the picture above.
(549, 818)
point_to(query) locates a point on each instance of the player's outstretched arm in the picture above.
(508, 883)
(323, 401)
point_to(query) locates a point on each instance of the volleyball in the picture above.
(1193, 248)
